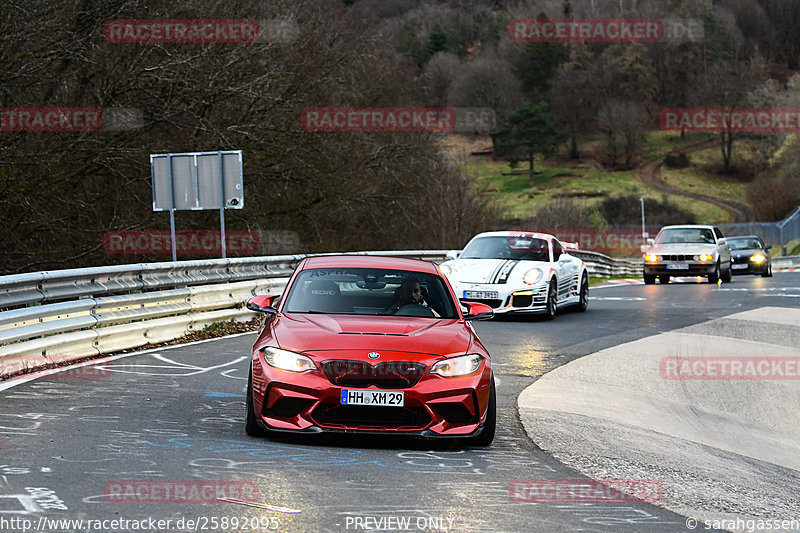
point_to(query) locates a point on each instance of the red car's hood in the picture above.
(314, 333)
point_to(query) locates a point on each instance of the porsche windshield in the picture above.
(513, 247)
(365, 291)
(685, 235)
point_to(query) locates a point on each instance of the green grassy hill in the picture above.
(588, 182)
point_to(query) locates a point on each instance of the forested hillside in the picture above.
(62, 191)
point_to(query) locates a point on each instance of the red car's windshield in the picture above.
(365, 291)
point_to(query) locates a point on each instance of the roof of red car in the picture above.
(369, 261)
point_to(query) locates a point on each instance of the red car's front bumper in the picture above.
(310, 403)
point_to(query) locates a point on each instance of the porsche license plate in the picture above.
(379, 398)
(481, 295)
(677, 266)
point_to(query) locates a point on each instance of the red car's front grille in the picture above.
(367, 416)
(386, 375)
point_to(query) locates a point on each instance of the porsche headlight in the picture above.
(286, 360)
(457, 366)
(651, 258)
(447, 270)
(533, 276)
(758, 258)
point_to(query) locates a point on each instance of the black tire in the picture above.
(583, 295)
(727, 275)
(767, 272)
(251, 426)
(552, 296)
(714, 276)
(663, 278)
(649, 279)
(486, 436)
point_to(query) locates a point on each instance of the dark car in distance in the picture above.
(749, 255)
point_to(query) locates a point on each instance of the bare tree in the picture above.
(573, 94)
(488, 81)
(439, 74)
(624, 124)
(345, 190)
(727, 86)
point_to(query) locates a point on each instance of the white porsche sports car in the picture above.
(518, 272)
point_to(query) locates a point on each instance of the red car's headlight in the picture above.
(457, 366)
(286, 360)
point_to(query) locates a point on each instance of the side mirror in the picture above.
(767, 247)
(478, 311)
(452, 254)
(651, 242)
(723, 240)
(263, 304)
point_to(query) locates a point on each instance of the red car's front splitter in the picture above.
(310, 403)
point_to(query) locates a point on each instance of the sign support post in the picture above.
(222, 206)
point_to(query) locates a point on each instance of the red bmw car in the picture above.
(370, 344)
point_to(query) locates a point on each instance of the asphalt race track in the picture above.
(73, 444)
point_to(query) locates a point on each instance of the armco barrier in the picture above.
(600, 265)
(49, 318)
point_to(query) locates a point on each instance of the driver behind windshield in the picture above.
(410, 293)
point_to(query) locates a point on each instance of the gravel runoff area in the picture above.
(725, 450)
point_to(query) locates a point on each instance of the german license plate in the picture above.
(677, 266)
(373, 397)
(481, 295)
(738, 267)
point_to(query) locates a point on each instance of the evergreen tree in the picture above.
(528, 131)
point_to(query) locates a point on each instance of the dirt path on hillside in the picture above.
(650, 175)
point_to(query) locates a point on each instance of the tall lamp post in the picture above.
(644, 233)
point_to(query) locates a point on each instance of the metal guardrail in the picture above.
(52, 317)
(600, 265)
(789, 261)
(779, 233)
(49, 318)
